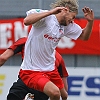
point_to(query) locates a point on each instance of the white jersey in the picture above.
(42, 41)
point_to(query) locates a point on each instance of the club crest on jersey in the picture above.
(61, 31)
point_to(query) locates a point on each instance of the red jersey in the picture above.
(59, 63)
(18, 47)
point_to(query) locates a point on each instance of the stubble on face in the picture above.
(68, 18)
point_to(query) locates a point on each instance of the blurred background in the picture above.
(81, 58)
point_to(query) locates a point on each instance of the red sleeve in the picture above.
(18, 46)
(59, 63)
(64, 69)
(18, 43)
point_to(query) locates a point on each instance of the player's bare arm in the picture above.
(5, 56)
(34, 17)
(89, 16)
(65, 83)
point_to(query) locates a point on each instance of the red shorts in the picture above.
(37, 80)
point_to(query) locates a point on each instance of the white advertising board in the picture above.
(84, 83)
(7, 76)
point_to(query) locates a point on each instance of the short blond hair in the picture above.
(73, 5)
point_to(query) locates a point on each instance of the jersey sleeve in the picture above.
(62, 69)
(35, 11)
(60, 64)
(18, 45)
(73, 31)
(40, 22)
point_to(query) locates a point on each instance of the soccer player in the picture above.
(19, 89)
(38, 69)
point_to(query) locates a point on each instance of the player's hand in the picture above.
(57, 10)
(88, 13)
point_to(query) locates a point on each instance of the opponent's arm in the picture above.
(65, 74)
(5, 56)
(65, 83)
(89, 15)
(12, 50)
